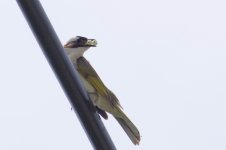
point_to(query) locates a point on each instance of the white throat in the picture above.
(75, 53)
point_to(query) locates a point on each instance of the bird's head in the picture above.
(80, 41)
(78, 45)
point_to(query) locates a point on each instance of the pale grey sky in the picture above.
(165, 61)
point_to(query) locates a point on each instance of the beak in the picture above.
(91, 42)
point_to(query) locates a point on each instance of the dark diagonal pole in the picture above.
(68, 77)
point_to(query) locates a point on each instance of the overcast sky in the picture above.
(165, 61)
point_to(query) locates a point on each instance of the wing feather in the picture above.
(93, 78)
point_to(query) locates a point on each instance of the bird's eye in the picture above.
(81, 41)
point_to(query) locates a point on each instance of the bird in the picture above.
(102, 98)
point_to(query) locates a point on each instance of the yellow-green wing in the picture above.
(93, 78)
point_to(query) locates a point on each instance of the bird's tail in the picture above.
(130, 129)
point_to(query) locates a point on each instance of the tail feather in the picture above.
(130, 129)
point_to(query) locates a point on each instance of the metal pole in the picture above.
(66, 74)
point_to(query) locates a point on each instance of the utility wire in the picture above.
(66, 74)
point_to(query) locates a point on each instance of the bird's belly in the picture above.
(96, 98)
(89, 88)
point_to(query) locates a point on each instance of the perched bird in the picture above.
(100, 95)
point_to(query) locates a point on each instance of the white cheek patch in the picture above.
(75, 53)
